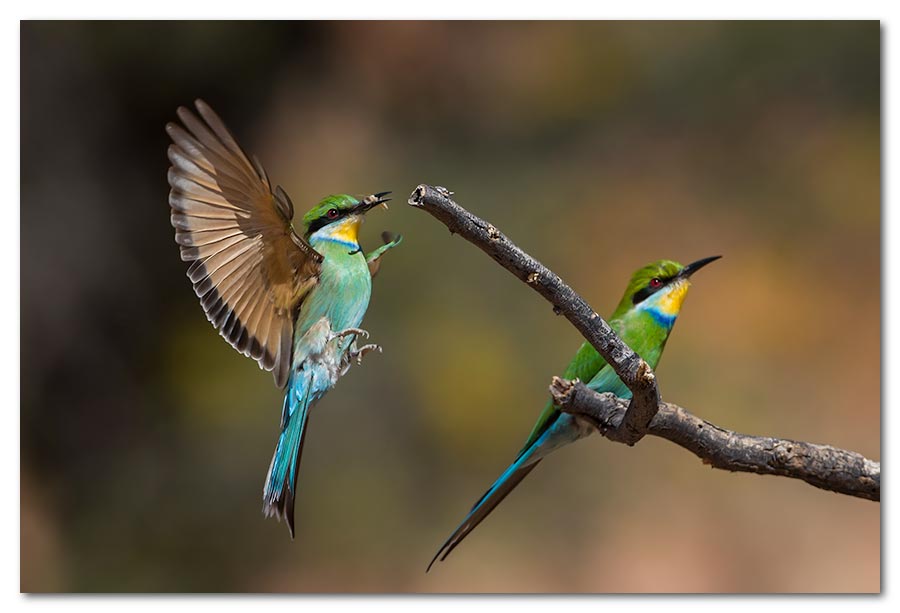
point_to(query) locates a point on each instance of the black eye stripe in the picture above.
(648, 291)
(324, 220)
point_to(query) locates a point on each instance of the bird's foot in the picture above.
(359, 332)
(358, 354)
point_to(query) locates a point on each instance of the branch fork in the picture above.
(624, 421)
(634, 372)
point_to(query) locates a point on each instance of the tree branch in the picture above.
(825, 467)
(627, 422)
(632, 370)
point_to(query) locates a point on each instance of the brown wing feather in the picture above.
(249, 269)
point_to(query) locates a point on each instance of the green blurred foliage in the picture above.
(597, 147)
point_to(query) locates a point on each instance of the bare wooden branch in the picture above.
(632, 370)
(825, 467)
(624, 421)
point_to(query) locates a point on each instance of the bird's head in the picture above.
(340, 215)
(660, 288)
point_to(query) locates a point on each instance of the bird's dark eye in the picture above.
(332, 213)
(655, 283)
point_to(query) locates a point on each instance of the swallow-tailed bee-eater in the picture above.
(643, 320)
(292, 301)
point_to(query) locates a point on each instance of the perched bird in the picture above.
(643, 319)
(291, 301)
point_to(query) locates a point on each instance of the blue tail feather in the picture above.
(506, 483)
(561, 431)
(281, 482)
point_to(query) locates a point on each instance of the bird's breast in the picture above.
(344, 287)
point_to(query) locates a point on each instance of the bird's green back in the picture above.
(638, 329)
(586, 363)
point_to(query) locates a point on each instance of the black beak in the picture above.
(693, 267)
(370, 202)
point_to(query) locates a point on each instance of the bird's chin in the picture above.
(670, 303)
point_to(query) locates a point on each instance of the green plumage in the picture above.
(636, 328)
(643, 320)
(291, 301)
(325, 336)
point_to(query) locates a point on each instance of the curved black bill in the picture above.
(370, 202)
(693, 267)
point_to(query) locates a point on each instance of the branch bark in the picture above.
(634, 372)
(825, 467)
(623, 421)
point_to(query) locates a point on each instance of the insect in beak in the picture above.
(370, 202)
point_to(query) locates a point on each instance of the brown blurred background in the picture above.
(597, 147)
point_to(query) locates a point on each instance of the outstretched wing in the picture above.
(249, 269)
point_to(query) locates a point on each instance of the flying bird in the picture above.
(643, 320)
(293, 301)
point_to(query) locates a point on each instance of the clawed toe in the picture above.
(362, 351)
(348, 331)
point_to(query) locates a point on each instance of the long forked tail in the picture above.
(281, 482)
(507, 482)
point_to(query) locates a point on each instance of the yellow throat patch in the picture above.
(671, 298)
(346, 230)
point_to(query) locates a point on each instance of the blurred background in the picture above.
(597, 147)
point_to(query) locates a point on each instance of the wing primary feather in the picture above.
(248, 267)
(228, 276)
(218, 126)
(264, 177)
(217, 161)
(203, 145)
(283, 357)
(284, 203)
